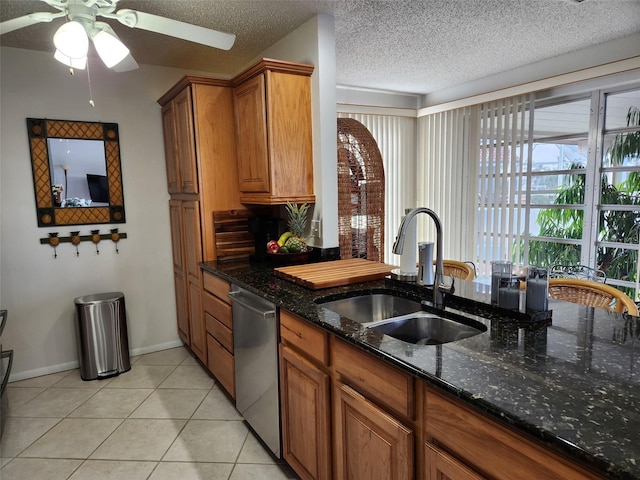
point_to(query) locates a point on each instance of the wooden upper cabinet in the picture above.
(250, 112)
(272, 103)
(179, 146)
(170, 148)
(185, 141)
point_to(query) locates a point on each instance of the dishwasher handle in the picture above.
(236, 297)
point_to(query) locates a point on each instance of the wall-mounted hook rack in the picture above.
(74, 238)
(83, 238)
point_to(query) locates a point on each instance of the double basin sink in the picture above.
(403, 319)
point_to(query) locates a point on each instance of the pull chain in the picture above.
(89, 80)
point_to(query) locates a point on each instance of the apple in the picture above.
(273, 247)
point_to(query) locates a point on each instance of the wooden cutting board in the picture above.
(333, 274)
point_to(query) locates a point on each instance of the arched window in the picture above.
(360, 192)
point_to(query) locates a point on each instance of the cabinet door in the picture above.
(369, 443)
(222, 365)
(290, 136)
(185, 141)
(251, 128)
(441, 466)
(170, 148)
(175, 217)
(197, 327)
(190, 210)
(181, 306)
(304, 393)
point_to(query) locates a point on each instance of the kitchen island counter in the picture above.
(571, 383)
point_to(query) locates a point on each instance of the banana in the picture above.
(283, 238)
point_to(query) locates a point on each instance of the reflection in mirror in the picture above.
(78, 171)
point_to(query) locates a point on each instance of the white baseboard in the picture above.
(38, 372)
(155, 348)
(62, 367)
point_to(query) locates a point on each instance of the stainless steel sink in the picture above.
(372, 307)
(424, 328)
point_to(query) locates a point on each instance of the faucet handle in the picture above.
(447, 288)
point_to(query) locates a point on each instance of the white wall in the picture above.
(38, 290)
(314, 43)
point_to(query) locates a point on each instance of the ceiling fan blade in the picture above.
(175, 28)
(27, 20)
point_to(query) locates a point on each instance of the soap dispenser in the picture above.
(425, 263)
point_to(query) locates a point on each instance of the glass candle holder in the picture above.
(499, 269)
(537, 289)
(509, 292)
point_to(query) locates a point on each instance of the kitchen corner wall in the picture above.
(38, 290)
(314, 43)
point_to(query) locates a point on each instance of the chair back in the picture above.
(594, 294)
(578, 271)
(458, 269)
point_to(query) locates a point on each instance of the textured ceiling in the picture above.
(416, 46)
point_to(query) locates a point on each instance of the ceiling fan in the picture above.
(72, 38)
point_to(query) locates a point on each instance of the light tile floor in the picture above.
(165, 419)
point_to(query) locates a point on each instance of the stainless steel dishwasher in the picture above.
(255, 348)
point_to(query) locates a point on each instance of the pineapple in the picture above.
(297, 224)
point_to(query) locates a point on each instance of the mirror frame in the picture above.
(40, 130)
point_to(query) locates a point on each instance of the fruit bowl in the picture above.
(290, 258)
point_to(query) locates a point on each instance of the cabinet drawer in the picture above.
(380, 382)
(307, 338)
(217, 286)
(489, 447)
(221, 364)
(220, 332)
(220, 310)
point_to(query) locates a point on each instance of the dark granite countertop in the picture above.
(572, 383)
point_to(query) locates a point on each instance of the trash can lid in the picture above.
(98, 298)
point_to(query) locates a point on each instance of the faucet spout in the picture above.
(398, 247)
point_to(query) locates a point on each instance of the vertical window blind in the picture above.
(470, 172)
(446, 182)
(502, 184)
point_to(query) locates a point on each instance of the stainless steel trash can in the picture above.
(101, 333)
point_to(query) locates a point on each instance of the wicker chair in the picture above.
(578, 271)
(458, 269)
(594, 294)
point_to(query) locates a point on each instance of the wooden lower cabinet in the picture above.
(369, 443)
(305, 405)
(490, 448)
(182, 311)
(348, 415)
(221, 365)
(441, 466)
(218, 320)
(196, 322)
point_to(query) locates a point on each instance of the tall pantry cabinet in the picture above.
(202, 177)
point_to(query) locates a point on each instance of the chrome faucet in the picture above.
(439, 286)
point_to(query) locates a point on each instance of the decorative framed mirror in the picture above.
(76, 172)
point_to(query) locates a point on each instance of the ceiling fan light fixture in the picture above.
(111, 50)
(71, 40)
(75, 63)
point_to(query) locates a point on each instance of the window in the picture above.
(560, 183)
(542, 178)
